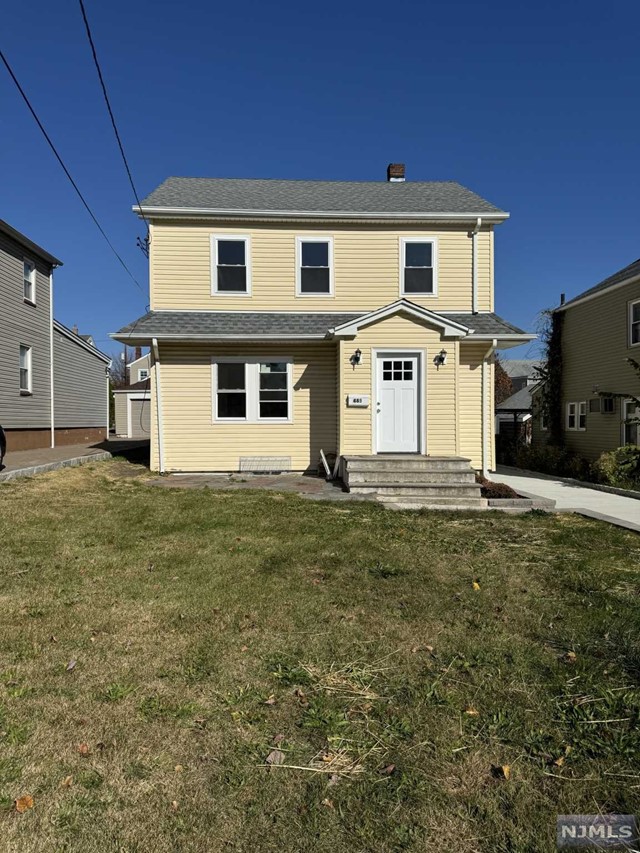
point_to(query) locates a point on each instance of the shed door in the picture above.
(140, 423)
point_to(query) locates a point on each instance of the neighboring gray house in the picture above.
(521, 371)
(53, 383)
(513, 415)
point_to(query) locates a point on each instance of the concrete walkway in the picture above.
(625, 512)
(26, 463)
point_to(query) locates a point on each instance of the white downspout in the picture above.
(474, 266)
(52, 412)
(156, 364)
(485, 410)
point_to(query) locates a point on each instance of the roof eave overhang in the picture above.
(156, 212)
(145, 338)
(579, 300)
(506, 341)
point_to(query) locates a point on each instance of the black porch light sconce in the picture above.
(440, 359)
(356, 358)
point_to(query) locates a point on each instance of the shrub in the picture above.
(489, 489)
(550, 459)
(619, 467)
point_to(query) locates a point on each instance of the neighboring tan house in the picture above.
(599, 330)
(139, 370)
(53, 382)
(290, 317)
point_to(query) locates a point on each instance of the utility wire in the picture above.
(111, 116)
(67, 173)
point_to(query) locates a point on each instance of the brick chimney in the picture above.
(138, 352)
(74, 329)
(395, 172)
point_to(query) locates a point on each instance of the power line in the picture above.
(111, 116)
(67, 173)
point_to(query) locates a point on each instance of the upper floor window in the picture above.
(231, 265)
(25, 369)
(143, 373)
(634, 323)
(418, 262)
(29, 281)
(314, 276)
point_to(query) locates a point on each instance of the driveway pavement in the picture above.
(26, 463)
(616, 509)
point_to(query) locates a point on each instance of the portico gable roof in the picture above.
(448, 327)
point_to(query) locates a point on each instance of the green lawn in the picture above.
(429, 681)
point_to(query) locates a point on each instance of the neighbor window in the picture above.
(231, 265)
(543, 422)
(572, 409)
(418, 267)
(315, 273)
(25, 370)
(608, 405)
(582, 415)
(143, 373)
(631, 424)
(252, 390)
(29, 282)
(634, 323)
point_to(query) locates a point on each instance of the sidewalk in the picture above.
(622, 511)
(25, 463)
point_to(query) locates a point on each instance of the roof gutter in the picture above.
(175, 212)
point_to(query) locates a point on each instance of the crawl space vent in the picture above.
(265, 464)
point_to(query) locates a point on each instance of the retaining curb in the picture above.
(54, 466)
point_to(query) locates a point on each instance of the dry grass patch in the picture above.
(158, 646)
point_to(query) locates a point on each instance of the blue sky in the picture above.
(534, 106)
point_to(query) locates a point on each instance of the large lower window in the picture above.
(315, 271)
(634, 323)
(231, 268)
(631, 425)
(572, 415)
(25, 370)
(252, 389)
(418, 262)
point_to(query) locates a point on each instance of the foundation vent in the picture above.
(264, 464)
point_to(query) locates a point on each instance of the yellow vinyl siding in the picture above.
(400, 333)
(470, 404)
(366, 267)
(193, 442)
(595, 344)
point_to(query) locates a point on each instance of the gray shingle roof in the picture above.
(518, 368)
(518, 402)
(630, 271)
(255, 324)
(233, 194)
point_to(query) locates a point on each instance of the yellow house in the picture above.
(293, 317)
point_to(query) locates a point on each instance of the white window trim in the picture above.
(29, 350)
(33, 281)
(315, 238)
(434, 259)
(252, 388)
(631, 323)
(543, 423)
(241, 294)
(142, 370)
(575, 415)
(582, 410)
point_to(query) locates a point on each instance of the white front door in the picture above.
(397, 404)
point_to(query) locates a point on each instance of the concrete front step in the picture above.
(410, 502)
(405, 475)
(392, 463)
(424, 490)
